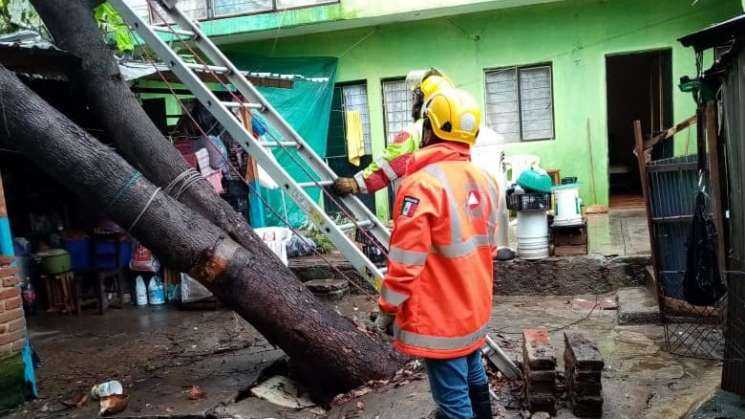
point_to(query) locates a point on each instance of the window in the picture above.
(519, 103)
(193, 9)
(237, 7)
(397, 104)
(291, 4)
(234, 7)
(354, 98)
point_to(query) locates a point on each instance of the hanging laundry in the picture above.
(355, 138)
(702, 284)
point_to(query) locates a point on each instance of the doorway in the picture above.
(639, 86)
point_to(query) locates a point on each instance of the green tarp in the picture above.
(306, 107)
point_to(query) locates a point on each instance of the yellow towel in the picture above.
(355, 140)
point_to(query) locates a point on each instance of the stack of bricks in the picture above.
(584, 366)
(12, 323)
(539, 368)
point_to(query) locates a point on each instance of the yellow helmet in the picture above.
(434, 84)
(453, 115)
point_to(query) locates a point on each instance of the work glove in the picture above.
(345, 186)
(383, 322)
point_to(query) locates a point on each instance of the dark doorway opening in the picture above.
(639, 86)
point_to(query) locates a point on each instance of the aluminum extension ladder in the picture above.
(189, 31)
(260, 150)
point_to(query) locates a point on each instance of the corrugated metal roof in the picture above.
(716, 35)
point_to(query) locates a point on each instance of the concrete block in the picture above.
(587, 407)
(538, 354)
(541, 376)
(581, 354)
(542, 404)
(636, 305)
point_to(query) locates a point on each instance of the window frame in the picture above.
(363, 84)
(211, 15)
(387, 134)
(518, 69)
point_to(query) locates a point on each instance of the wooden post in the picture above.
(643, 157)
(712, 141)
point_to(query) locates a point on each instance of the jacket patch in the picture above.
(409, 206)
(474, 199)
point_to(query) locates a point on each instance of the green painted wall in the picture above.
(575, 36)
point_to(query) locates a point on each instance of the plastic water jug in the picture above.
(141, 291)
(156, 292)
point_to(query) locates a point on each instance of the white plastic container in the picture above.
(141, 291)
(106, 389)
(568, 205)
(532, 234)
(155, 291)
(276, 238)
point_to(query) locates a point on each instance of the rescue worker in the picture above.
(391, 165)
(437, 292)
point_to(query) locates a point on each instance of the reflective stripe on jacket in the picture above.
(440, 272)
(391, 165)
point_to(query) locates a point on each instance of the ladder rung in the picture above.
(280, 144)
(350, 226)
(243, 104)
(172, 31)
(314, 184)
(202, 67)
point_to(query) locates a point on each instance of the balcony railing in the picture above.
(215, 9)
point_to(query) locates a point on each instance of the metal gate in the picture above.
(670, 187)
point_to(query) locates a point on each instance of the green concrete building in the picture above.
(562, 80)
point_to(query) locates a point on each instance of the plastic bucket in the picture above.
(532, 234)
(568, 204)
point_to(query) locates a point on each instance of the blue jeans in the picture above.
(449, 380)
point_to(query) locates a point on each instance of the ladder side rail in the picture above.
(249, 91)
(252, 146)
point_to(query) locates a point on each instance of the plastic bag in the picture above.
(300, 246)
(143, 260)
(192, 291)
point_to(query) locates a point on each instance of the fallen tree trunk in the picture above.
(135, 136)
(332, 352)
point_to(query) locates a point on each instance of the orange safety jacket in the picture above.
(440, 272)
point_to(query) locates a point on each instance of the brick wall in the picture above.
(12, 322)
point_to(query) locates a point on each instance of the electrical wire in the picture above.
(256, 193)
(286, 150)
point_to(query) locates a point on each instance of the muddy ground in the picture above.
(160, 353)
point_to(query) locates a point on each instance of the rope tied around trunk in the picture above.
(144, 210)
(184, 181)
(125, 187)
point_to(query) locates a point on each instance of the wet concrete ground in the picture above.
(160, 353)
(620, 232)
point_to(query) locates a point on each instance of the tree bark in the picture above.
(135, 136)
(334, 354)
